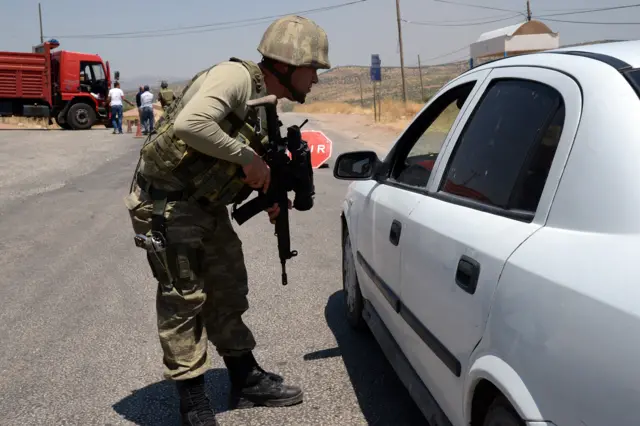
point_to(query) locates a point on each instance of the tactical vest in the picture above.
(167, 96)
(171, 165)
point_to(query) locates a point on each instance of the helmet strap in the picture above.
(284, 79)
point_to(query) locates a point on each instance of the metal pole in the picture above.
(404, 87)
(380, 106)
(375, 111)
(40, 15)
(421, 85)
(528, 11)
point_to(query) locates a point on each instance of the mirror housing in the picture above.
(356, 165)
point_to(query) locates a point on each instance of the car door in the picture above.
(491, 191)
(382, 224)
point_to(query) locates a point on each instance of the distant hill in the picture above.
(342, 83)
(129, 84)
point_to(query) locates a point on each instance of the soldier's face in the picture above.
(303, 78)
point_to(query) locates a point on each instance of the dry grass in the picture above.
(390, 110)
(392, 113)
(27, 123)
(348, 90)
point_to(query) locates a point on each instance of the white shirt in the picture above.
(146, 100)
(116, 95)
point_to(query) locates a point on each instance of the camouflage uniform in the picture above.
(166, 96)
(204, 254)
(187, 175)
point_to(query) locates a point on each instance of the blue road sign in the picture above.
(374, 70)
(375, 74)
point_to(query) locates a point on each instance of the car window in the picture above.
(416, 159)
(503, 156)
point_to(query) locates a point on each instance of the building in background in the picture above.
(525, 37)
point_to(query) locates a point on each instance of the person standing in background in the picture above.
(139, 103)
(166, 95)
(146, 100)
(115, 99)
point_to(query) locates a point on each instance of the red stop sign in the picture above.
(319, 145)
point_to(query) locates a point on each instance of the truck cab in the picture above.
(71, 87)
(80, 78)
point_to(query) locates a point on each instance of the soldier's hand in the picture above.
(258, 174)
(274, 211)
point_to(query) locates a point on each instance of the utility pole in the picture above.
(40, 15)
(421, 85)
(528, 11)
(404, 87)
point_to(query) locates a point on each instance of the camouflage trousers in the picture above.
(209, 294)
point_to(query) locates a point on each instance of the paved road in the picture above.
(77, 321)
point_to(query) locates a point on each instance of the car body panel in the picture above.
(552, 323)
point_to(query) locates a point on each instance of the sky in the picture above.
(355, 31)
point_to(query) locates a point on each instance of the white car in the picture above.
(492, 252)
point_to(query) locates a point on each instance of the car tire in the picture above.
(501, 413)
(352, 295)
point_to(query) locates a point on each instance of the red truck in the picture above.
(69, 87)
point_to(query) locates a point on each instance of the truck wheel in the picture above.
(501, 413)
(351, 286)
(63, 125)
(81, 116)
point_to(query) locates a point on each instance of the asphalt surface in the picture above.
(77, 300)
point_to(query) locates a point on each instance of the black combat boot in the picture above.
(252, 386)
(195, 408)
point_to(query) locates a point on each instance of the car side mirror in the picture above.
(356, 165)
(117, 75)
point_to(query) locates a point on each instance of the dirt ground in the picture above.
(362, 128)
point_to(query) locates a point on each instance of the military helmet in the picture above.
(164, 84)
(296, 41)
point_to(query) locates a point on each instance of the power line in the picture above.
(478, 6)
(461, 24)
(503, 15)
(167, 34)
(590, 22)
(204, 27)
(601, 9)
(448, 53)
(564, 10)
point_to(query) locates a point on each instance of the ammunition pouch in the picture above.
(199, 177)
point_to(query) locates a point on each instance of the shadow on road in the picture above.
(382, 397)
(158, 403)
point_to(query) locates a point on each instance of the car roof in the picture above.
(626, 51)
(619, 54)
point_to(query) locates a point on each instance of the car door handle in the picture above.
(394, 234)
(467, 274)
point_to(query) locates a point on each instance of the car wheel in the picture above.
(501, 413)
(351, 286)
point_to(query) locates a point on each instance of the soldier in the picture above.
(204, 155)
(166, 95)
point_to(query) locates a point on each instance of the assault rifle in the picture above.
(287, 174)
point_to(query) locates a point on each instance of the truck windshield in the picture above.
(98, 72)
